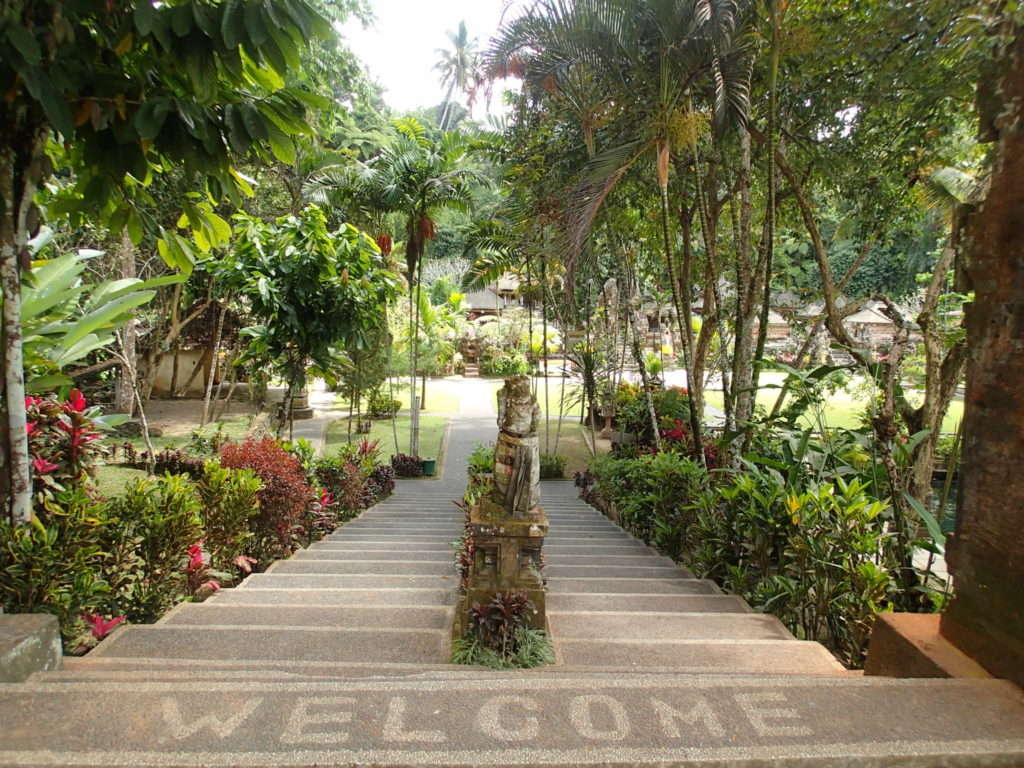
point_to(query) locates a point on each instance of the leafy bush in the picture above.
(481, 459)
(153, 524)
(178, 463)
(381, 406)
(407, 466)
(821, 560)
(552, 466)
(379, 485)
(355, 478)
(54, 564)
(283, 499)
(229, 497)
(499, 361)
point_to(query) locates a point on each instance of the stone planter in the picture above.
(623, 438)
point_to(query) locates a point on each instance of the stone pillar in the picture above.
(508, 526)
(985, 619)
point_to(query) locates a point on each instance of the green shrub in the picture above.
(653, 495)
(819, 559)
(552, 466)
(498, 361)
(381, 406)
(159, 517)
(55, 564)
(229, 497)
(481, 459)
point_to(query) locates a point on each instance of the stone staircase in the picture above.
(471, 371)
(338, 655)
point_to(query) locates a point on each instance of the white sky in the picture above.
(400, 48)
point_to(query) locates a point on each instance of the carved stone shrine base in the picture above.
(507, 558)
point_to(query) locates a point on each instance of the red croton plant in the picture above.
(63, 441)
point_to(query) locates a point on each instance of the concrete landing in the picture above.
(663, 720)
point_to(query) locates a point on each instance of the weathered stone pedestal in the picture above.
(507, 558)
(301, 408)
(508, 527)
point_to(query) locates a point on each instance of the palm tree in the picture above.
(415, 178)
(641, 67)
(458, 68)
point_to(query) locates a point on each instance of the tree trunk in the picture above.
(124, 393)
(986, 615)
(22, 168)
(215, 363)
(686, 327)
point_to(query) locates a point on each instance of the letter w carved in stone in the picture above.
(221, 727)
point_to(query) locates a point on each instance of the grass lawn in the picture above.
(432, 429)
(111, 480)
(177, 419)
(443, 396)
(842, 409)
(571, 444)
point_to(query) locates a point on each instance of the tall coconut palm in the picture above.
(458, 68)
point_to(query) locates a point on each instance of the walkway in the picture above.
(337, 656)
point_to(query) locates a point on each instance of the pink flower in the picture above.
(31, 427)
(42, 466)
(100, 628)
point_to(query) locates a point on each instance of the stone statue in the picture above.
(517, 454)
(508, 527)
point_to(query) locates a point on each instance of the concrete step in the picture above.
(615, 547)
(298, 643)
(353, 554)
(557, 585)
(555, 568)
(389, 545)
(439, 567)
(590, 602)
(609, 561)
(362, 616)
(629, 625)
(701, 656)
(386, 537)
(520, 719)
(350, 581)
(341, 596)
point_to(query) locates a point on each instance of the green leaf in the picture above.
(96, 319)
(45, 383)
(144, 15)
(150, 117)
(929, 520)
(254, 23)
(232, 23)
(25, 43)
(43, 90)
(280, 143)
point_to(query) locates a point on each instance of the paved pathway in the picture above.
(337, 656)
